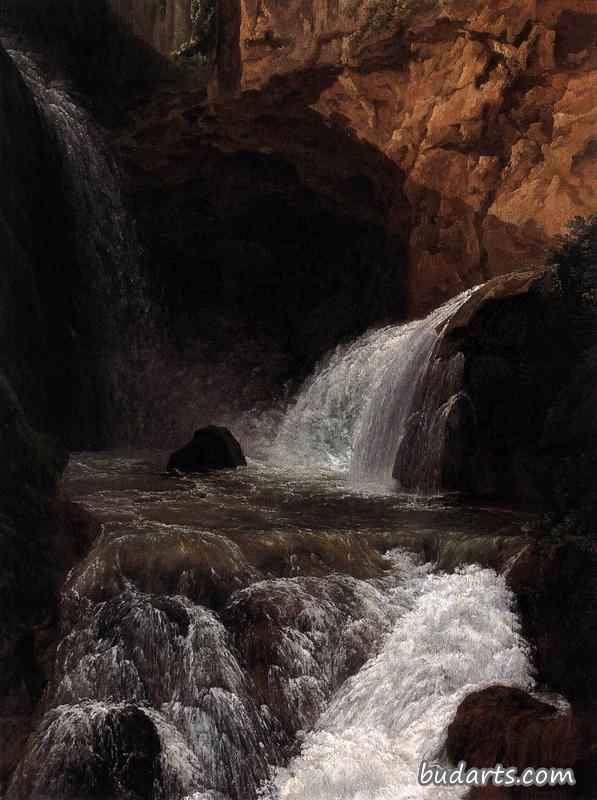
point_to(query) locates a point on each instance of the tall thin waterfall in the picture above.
(111, 296)
(107, 247)
(380, 406)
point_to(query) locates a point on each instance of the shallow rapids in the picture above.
(270, 631)
(458, 635)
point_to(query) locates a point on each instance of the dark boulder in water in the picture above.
(210, 448)
(505, 725)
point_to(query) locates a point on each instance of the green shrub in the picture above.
(203, 18)
(570, 430)
(575, 262)
(378, 14)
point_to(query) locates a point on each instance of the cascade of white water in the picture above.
(319, 428)
(107, 250)
(370, 397)
(114, 318)
(459, 635)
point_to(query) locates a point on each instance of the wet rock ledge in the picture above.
(41, 536)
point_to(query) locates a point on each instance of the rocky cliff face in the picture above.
(265, 230)
(367, 160)
(487, 108)
(163, 24)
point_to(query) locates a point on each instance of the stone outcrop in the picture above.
(486, 107)
(163, 24)
(504, 725)
(210, 448)
(36, 344)
(553, 583)
(531, 439)
(41, 536)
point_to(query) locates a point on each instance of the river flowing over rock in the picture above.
(372, 171)
(395, 711)
(355, 411)
(216, 617)
(320, 226)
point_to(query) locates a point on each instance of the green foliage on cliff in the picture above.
(575, 262)
(203, 15)
(203, 18)
(570, 428)
(377, 15)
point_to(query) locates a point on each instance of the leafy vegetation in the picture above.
(203, 18)
(571, 425)
(378, 14)
(575, 263)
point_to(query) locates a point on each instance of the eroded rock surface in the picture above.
(487, 108)
(504, 725)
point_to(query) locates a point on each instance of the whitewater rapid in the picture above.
(458, 635)
(216, 622)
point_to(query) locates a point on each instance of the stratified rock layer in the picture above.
(487, 107)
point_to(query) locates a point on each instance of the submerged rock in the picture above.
(210, 448)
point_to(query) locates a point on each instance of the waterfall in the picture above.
(380, 406)
(162, 674)
(217, 619)
(110, 297)
(459, 635)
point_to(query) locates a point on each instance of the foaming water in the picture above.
(381, 397)
(217, 617)
(320, 427)
(458, 635)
